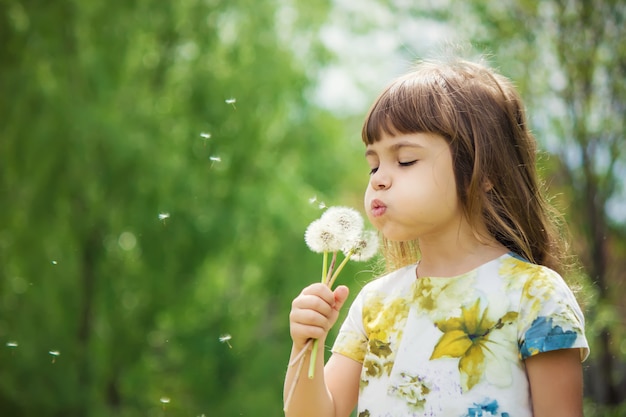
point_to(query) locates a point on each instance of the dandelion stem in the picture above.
(330, 269)
(339, 268)
(316, 343)
(295, 381)
(324, 266)
(301, 353)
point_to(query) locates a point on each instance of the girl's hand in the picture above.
(314, 312)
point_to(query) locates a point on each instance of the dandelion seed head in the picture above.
(347, 222)
(366, 247)
(164, 216)
(321, 237)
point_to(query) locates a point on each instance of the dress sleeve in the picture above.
(550, 317)
(352, 339)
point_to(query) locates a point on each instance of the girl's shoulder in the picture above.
(394, 281)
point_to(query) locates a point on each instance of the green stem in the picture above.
(316, 342)
(339, 268)
(313, 359)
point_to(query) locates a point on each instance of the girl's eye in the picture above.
(373, 171)
(407, 164)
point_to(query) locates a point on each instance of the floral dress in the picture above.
(455, 347)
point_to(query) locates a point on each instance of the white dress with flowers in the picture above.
(455, 347)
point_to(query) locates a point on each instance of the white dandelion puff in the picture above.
(348, 223)
(365, 248)
(322, 236)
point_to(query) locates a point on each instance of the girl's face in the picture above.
(412, 191)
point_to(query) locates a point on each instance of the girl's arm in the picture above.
(556, 383)
(334, 389)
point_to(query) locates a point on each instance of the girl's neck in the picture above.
(449, 259)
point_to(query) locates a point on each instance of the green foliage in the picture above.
(129, 243)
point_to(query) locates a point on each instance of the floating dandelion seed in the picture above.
(214, 159)
(54, 262)
(225, 338)
(321, 205)
(164, 401)
(163, 217)
(231, 101)
(54, 354)
(205, 135)
(12, 344)
(313, 199)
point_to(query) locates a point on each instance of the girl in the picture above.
(482, 324)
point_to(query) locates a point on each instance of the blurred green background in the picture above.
(160, 161)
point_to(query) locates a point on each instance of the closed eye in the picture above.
(407, 164)
(373, 171)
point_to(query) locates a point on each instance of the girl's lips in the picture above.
(377, 208)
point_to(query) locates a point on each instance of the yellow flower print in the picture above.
(469, 337)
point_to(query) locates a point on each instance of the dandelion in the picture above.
(339, 229)
(55, 354)
(231, 101)
(348, 222)
(225, 338)
(365, 248)
(322, 236)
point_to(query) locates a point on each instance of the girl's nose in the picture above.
(380, 180)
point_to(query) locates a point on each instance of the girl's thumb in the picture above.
(341, 295)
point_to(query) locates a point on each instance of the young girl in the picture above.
(482, 324)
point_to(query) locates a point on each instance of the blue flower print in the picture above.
(543, 337)
(488, 408)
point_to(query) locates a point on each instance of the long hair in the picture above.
(482, 117)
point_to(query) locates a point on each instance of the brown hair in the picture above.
(481, 115)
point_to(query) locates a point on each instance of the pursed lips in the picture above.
(377, 208)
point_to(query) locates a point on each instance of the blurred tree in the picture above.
(569, 61)
(156, 162)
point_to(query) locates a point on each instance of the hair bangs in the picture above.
(414, 103)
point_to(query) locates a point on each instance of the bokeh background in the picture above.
(160, 161)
